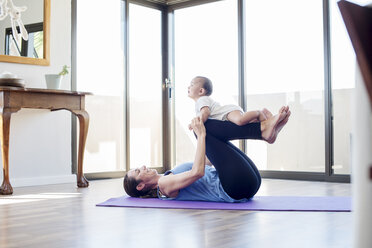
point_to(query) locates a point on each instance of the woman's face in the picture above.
(143, 174)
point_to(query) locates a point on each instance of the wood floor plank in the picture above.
(65, 216)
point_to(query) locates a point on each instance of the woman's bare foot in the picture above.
(279, 127)
(268, 127)
(283, 109)
(283, 122)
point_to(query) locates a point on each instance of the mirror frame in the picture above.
(33, 61)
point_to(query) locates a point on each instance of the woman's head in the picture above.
(141, 182)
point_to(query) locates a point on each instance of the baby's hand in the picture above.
(267, 113)
(190, 127)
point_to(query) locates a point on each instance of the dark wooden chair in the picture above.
(358, 21)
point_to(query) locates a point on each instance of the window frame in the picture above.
(168, 73)
(31, 28)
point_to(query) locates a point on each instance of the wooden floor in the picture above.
(64, 216)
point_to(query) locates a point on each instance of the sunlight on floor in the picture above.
(35, 197)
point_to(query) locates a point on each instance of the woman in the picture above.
(234, 177)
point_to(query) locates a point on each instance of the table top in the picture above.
(39, 90)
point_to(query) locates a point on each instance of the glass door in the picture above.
(119, 60)
(145, 87)
(206, 44)
(100, 70)
(285, 66)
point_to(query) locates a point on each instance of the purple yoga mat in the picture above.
(258, 203)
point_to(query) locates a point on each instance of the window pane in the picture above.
(100, 71)
(284, 66)
(205, 45)
(343, 84)
(145, 86)
(38, 38)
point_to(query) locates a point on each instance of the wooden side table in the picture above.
(12, 99)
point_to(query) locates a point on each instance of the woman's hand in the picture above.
(190, 127)
(198, 126)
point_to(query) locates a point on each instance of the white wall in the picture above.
(361, 162)
(40, 140)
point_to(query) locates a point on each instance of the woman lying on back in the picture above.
(233, 177)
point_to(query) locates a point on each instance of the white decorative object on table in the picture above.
(53, 81)
(7, 74)
(10, 79)
(8, 8)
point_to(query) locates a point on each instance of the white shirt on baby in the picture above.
(218, 112)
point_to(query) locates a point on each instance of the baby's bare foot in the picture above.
(267, 113)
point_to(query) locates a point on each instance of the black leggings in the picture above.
(238, 174)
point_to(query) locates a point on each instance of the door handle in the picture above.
(168, 85)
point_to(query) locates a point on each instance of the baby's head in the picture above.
(200, 86)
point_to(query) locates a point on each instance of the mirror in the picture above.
(30, 43)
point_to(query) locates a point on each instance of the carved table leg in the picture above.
(84, 124)
(5, 113)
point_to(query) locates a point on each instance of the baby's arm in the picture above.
(204, 114)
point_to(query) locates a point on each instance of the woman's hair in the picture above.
(130, 186)
(207, 85)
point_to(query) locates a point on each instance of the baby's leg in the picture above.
(267, 113)
(241, 119)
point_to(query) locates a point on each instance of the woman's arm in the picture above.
(207, 162)
(171, 184)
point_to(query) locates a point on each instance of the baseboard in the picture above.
(34, 181)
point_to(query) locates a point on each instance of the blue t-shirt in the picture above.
(207, 188)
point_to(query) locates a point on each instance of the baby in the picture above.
(201, 88)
